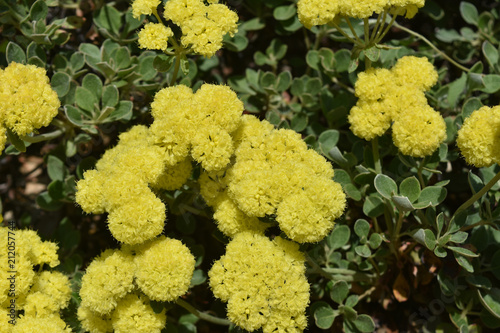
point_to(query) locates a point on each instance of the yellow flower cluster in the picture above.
(144, 7)
(154, 36)
(120, 186)
(397, 97)
(318, 12)
(275, 174)
(479, 137)
(118, 286)
(40, 294)
(263, 283)
(203, 26)
(198, 124)
(27, 101)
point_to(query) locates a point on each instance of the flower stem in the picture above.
(376, 156)
(176, 69)
(444, 55)
(352, 29)
(477, 195)
(339, 29)
(393, 21)
(202, 315)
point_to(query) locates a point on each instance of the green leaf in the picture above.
(463, 251)
(491, 301)
(439, 222)
(362, 228)
(491, 53)
(425, 237)
(60, 82)
(342, 60)
(456, 88)
(324, 315)
(402, 203)
(110, 96)
(464, 262)
(277, 49)
(363, 251)
(440, 252)
(469, 13)
(491, 83)
(45, 201)
(431, 196)
(237, 43)
(56, 168)
(352, 192)
(373, 53)
(364, 323)
(312, 59)
(268, 80)
(410, 188)
(375, 241)
(74, 115)
(339, 291)
(338, 237)
(163, 62)
(85, 99)
(122, 111)
(93, 83)
(15, 53)
(257, 23)
(283, 13)
(108, 18)
(122, 58)
(198, 278)
(476, 184)
(39, 11)
(385, 186)
(373, 206)
(36, 51)
(459, 237)
(328, 140)
(77, 61)
(16, 141)
(284, 81)
(479, 281)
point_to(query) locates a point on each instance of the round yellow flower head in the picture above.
(409, 8)
(203, 26)
(174, 177)
(107, 279)
(263, 283)
(362, 8)
(27, 101)
(317, 12)
(415, 71)
(369, 120)
(134, 314)
(212, 186)
(154, 36)
(144, 7)
(89, 192)
(48, 324)
(212, 147)
(165, 267)
(479, 137)
(373, 84)
(419, 132)
(231, 220)
(54, 288)
(94, 322)
(3, 136)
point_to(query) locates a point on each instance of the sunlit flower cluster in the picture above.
(27, 101)
(318, 12)
(40, 294)
(397, 97)
(479, 136)
(119, 284)
(196, 124)
(203, 25)
(274, 174)
(263, 283)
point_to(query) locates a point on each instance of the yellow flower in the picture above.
(146, 7)
(369, 120)
(479, 137)
(203, 27)
(419, 131)
(154, 36)
(3, 136)
(164, 269)
(175, 176)
(415, 71)
(317, 12)
(94, 322)
(107, 279)
(54, 287)
(27, 101)
(212, 147)
(48, 324)
(362, 8)
(134, 314)
(263, 283)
